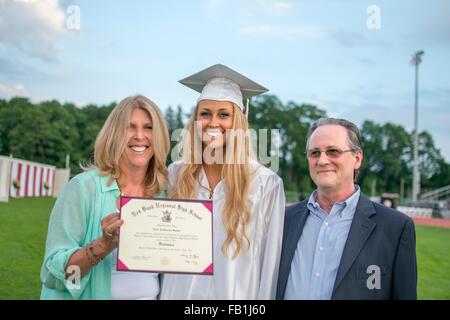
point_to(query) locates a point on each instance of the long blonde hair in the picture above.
(111, 143)
(236, 174)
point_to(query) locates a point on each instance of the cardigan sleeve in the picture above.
(66, 234)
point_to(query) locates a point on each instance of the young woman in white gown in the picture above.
(248, 198)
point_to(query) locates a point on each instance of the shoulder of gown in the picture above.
(263, 175)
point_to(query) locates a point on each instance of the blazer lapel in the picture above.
(292, 233)
(360, 230)
(297, 226)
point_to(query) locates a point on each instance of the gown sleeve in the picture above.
(274, 202)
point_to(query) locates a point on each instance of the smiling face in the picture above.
(328, 173)
(139, 147)
(215, 118)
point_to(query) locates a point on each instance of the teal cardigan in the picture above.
(74, 222)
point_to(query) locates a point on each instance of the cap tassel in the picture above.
(247, 104)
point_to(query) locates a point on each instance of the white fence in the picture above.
(415, 212)
(4, 178)
(20, 178)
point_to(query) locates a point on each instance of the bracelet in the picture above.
(92, 257)
(91, 251)
(89, 257)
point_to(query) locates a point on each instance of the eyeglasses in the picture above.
(331, 153)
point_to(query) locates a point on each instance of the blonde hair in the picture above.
(236, 174)
(111, 143)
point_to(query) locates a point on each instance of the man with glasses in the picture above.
(338, 244)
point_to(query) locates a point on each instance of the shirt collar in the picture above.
(348, 205)
(203, 183)
(352, 202)
(104, 181)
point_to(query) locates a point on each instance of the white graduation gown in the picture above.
(253, 273)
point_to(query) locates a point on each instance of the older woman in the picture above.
(248, 199)
(129, 159)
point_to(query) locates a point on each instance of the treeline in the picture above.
(388, 150)
(46, 132)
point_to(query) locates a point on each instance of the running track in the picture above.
(443, 223)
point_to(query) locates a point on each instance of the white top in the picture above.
(127, 285)
(253, 273)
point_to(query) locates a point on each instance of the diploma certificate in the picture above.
(165, 235)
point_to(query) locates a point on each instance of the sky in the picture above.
(348, 57)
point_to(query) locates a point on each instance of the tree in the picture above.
(42, 134)
(387, 150)
(179, 123)
(47, 131)
(434, 171)
(388, 158)
(293, 122)
(169, 116)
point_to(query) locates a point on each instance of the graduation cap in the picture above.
(221, 83)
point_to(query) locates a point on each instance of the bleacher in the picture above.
(416, 212)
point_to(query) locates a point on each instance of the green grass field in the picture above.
(23, 231)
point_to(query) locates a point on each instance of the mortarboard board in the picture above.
(221, 83)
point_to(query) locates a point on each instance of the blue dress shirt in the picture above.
(319, 250)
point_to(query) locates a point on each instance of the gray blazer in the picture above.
(378, 236)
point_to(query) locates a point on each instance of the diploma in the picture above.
(165, 235)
